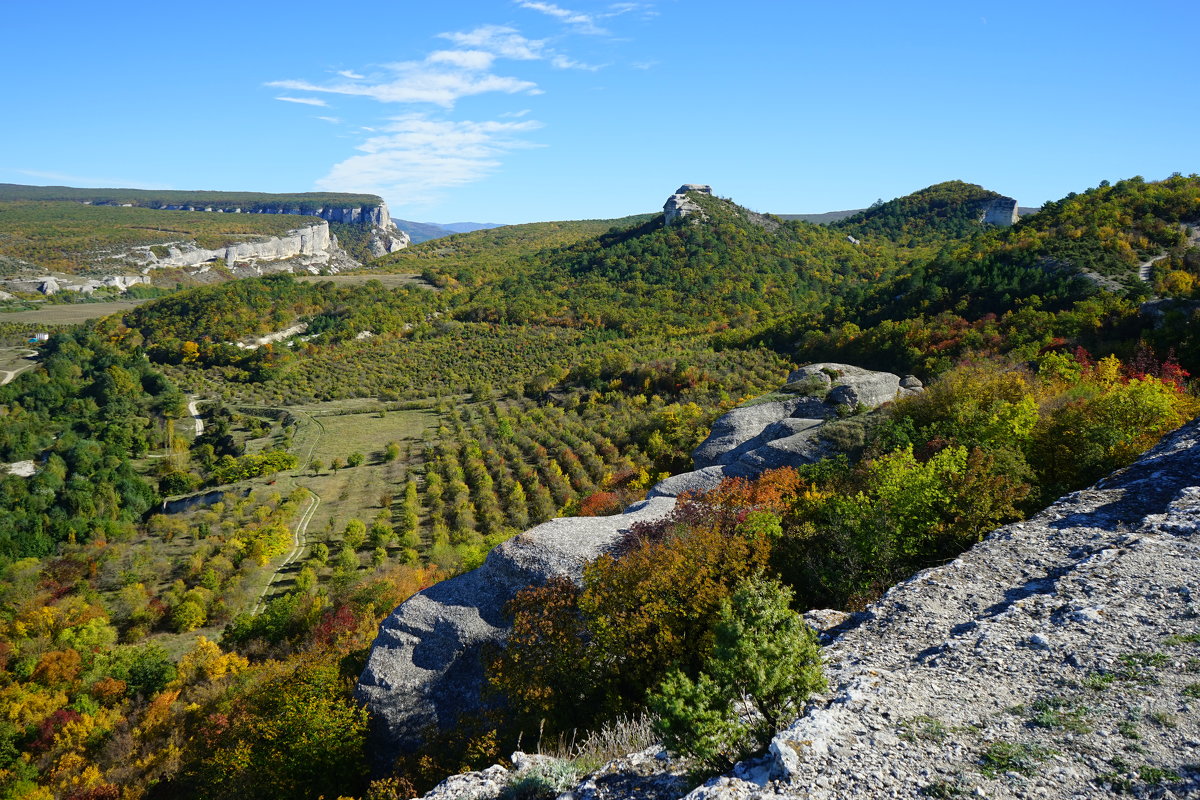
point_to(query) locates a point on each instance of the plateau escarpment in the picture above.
(97, 232)
(312, 243)
(425, 667)
(385, 237)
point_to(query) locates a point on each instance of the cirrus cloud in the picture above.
(308, 101)
(415, 157)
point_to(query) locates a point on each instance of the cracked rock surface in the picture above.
(1059, 658)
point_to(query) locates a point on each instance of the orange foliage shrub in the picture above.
(58, 668)
(600, 504)
(599, 649)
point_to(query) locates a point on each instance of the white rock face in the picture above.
(679, 205)
(52, 284)
(1001, 212)
(311, 241)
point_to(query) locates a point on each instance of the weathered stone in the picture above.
(483, 785)
(868, 387)
(425, 665)
(953, 660)
(679, 205)
(744, 425)
(1001, 212)
(1090, 606)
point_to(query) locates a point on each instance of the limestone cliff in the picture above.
(679, 205)
(309, 248)
(424, 667)
(1001, 212)
(385, 236)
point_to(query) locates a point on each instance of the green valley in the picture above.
(228, 488)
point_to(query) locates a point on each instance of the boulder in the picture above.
(867, 387)
(425, 667)
(679, 205)
(732, 433)
(782, 429)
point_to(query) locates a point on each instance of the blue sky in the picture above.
(524, 110)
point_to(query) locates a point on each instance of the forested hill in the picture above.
(950, 209)
(559, 369)
(724, 267)
(1111, 231)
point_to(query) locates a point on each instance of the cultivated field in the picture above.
(69, 314)
(335, 430)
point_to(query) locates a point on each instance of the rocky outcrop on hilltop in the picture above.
(1058, 658)
(1001, 212)
(679, 205)
(425, 665)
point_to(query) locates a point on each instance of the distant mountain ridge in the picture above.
(310, 203)
(425, 231)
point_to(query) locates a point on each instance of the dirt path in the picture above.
(9, 374)
(195, 412)
(301, 531)
(301, 542)
(1146, 267)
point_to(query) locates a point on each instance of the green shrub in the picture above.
(764, 664)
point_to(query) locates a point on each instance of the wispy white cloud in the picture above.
(501, 40)
(308, 101)
(582, 23)
(416, 157)
(442, 78)
(586, 23)
(420, 86)
(465, 59)
(563, 62)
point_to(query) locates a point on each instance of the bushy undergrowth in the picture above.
(675, 616)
